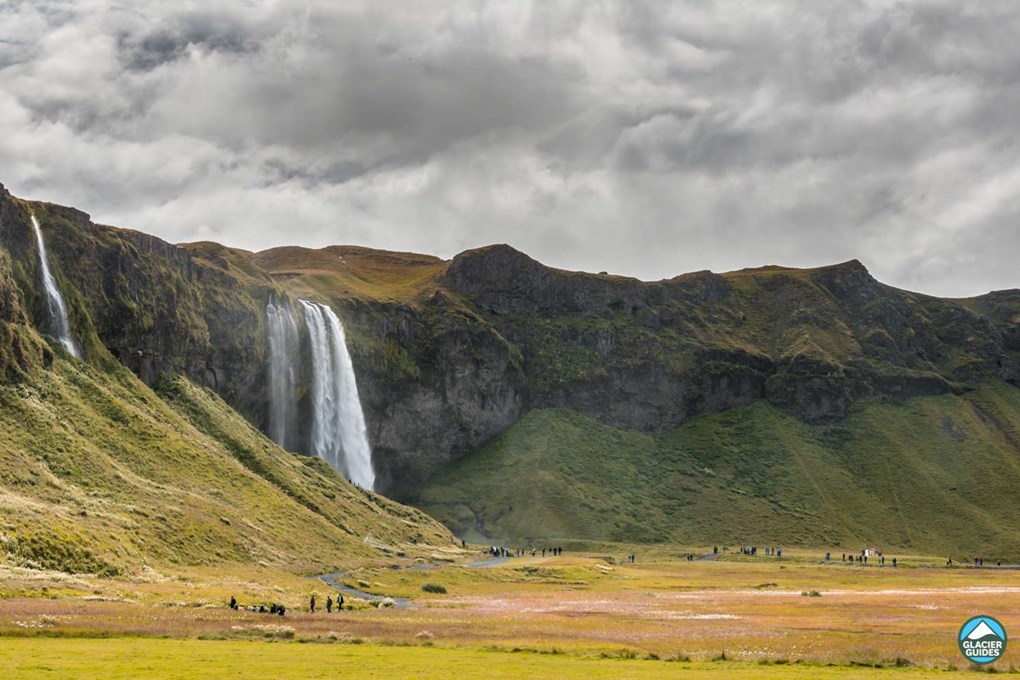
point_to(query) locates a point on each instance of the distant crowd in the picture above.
(500, 551)
(875, 555)
(768, 551)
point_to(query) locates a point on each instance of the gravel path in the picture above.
(486, 564)
(333, 581)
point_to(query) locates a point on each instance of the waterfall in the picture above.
(283, 353)
(56, 308)
(338, 423)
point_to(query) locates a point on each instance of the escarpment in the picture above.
(449, 354)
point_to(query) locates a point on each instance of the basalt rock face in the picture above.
(433, 383)
(648, 356)
(449, 354)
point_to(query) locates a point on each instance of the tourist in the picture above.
(311, 606)
(329, 604)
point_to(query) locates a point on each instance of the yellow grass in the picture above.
(137, 659)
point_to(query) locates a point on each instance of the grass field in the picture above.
(138, 659)
(572, 616)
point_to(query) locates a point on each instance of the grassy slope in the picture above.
(352, 273)
(98, 474)
(932, 473)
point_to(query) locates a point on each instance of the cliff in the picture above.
(449, 354)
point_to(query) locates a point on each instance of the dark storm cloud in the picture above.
(647, 138)
(204, 30)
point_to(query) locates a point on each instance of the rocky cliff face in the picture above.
(449, 354)
(647, 356)
(463, 385)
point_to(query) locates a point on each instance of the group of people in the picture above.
(329, 603)
(862, 559)
(273, 608)
(978, 561)
(280, 610)
(753, 550)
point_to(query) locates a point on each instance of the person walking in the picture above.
(311, 605)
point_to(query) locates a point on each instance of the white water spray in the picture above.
(283, 351)
(60, 325)
(338, 423)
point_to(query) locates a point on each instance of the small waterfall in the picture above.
(338, 423)
(56, 308)
(283, 353)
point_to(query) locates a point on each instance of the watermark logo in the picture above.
(982, 639)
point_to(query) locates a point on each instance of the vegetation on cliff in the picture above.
(931, 473)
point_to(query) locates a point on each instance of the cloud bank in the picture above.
(644, 138)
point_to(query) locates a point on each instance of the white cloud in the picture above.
(646, 138)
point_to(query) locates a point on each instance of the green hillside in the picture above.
(99, 474)
(932, 473)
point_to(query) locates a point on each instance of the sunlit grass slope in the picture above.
(99, 474)
(352, 272)
(935, 474)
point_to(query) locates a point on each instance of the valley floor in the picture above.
(585, 616)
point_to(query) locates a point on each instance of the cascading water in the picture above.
(56, 308)
(283, 351)
(338, 423)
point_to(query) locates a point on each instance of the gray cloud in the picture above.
(646, 138)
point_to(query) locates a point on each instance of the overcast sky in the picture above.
(639, 137)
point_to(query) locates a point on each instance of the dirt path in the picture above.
(487, 564)
(333, 581)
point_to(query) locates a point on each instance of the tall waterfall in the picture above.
(283, 353)
(56, 308)
(338, 424)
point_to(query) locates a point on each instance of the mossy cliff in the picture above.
(157, 308)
